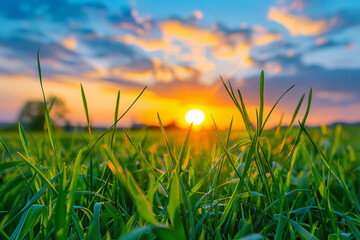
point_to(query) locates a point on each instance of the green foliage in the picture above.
(293, 183)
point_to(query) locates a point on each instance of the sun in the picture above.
(195, 116)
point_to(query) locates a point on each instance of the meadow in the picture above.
(284, 183)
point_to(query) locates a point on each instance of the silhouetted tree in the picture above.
(32, 115)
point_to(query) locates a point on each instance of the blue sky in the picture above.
(178, 49)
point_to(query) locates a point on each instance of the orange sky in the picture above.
(179, 53)
(101, 100)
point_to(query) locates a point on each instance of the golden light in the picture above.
(195, 116)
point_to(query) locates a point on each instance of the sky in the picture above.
(179, 50)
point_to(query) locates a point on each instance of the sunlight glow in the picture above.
(195, 116)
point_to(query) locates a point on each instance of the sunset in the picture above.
(179, 52)
(195, 116)
(142, 119)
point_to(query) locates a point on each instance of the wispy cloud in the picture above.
(295, 19)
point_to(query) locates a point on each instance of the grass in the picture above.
(293, 183)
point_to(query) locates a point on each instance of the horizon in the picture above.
(179, 51)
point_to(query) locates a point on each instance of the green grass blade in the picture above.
(246, 118)
(143, 206)
(27, 222)
(354, 229)
(38, 171)
(174, 200)
(322, 155)
(261, 111)
(72, 189)
(231, 162)
(112, 140)
(60, 209)
(85, 105)
(83, 96)
(229, 132)
(299, 131)
(77, 225)
(317, 178)
(107, 130)
(93, 232)
(288, 130)
(240, 108)
(24, 141)
(166, 141)
(144, 158)
(47, 116)
(30, 202)
(137, 233)
(272, 109)
(302, 231)
(183, 151)
(228, 207)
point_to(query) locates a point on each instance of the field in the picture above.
(285, 183)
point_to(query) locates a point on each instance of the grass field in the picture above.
(286, 183)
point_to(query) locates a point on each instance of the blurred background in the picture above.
(178, 49)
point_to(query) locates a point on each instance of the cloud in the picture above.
(231, 51)
(191, 35)
(146, 44)
(129, 20)
(69, 43)
(193, 91)
(322, 43)
(296, 20)
(335, 97)
(300, 25)
(205, 66)
(166, 73)
(184, 42)
(198, 14)
(265, 38)
(237, 43)
(55, 58)
(140, 71)
(276, 68)
(146, 72)
(351, 46)
(325, 84)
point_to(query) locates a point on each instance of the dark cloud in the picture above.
(127, 20)
(24, 51)
(243, 32)
(328, 44)
(346, 18)
(105, 47)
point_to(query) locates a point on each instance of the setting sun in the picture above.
(195, 116)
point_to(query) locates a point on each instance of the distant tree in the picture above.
(32, 114)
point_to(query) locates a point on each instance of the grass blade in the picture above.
(89, 129)
(47, 116)
(261, 111)
(107, 130)
(112, 140)
(183, 151)
(93, 231)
